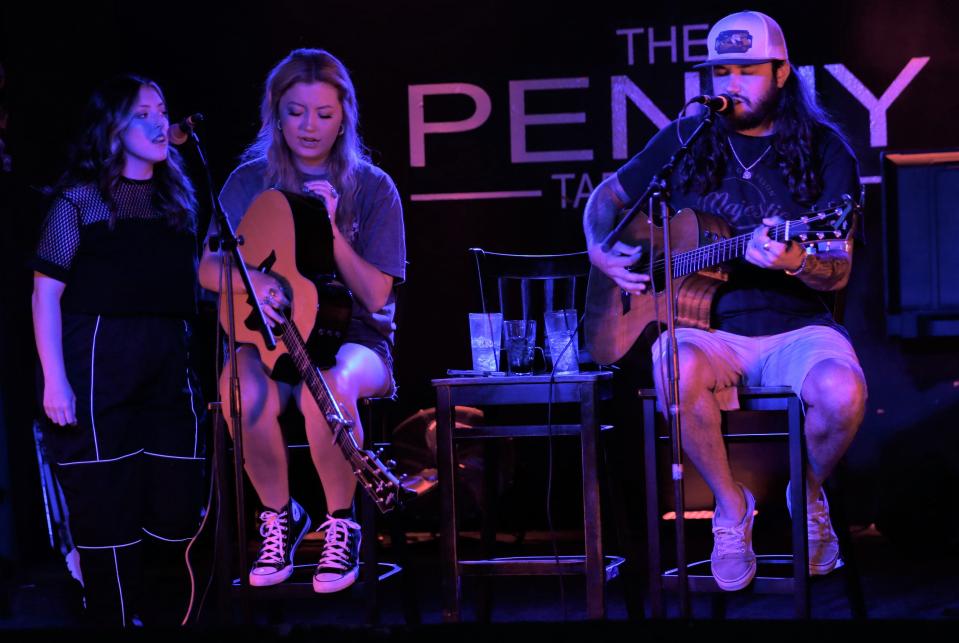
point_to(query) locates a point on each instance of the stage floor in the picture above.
(898, 585)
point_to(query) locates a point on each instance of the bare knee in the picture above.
(836, 390)
(695, 373)
(260, 402)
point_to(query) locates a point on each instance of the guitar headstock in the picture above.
(832, 223)
(378, 480)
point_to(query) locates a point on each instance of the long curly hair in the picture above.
(800, 125)
(348, 152)
(98, 156)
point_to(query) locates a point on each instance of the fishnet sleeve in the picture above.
(59, 239)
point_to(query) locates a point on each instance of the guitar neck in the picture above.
(317, 386)
(713, 254)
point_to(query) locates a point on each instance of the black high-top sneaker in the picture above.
(282, 532)
(339, 565)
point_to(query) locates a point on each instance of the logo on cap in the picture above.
(734, 41)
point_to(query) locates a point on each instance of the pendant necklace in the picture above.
(747, 171)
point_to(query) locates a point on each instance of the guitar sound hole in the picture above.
(659, 274)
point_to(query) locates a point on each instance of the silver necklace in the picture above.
(747, 171)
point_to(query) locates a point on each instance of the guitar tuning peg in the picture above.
(379, 452)
(403, 476)
(391, 463)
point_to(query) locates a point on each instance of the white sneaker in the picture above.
(823, 542)
(733, 561)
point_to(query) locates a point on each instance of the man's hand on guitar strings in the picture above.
(768, 253)
(616, 265)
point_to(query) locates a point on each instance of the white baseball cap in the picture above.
(745, 38)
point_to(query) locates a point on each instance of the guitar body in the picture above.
(291, 236)
(615, 319)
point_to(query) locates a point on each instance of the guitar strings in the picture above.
(297, 351)
(704, 256)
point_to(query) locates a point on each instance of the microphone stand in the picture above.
(229, 244)
(657, 194)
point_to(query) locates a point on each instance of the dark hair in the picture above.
(98, 157)
(348, 152)
(800, 125)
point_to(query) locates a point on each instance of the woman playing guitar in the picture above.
(308, 144)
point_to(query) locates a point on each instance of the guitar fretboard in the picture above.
(703, 257)
(321, 393)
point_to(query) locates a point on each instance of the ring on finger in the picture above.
(766, 246)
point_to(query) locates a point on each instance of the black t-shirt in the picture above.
(143, 266)
(755, 301)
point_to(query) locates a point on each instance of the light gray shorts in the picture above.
(769, 360)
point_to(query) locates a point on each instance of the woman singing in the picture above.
(114, 291)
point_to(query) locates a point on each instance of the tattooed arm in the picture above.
(827, 270)
(598, 219)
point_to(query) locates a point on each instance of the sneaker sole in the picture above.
(329, 587)
(268, 580)
(739, 583)
(822, 570)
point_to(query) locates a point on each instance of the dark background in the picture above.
(213, 59)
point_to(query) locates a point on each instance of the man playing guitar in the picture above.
(774, 155)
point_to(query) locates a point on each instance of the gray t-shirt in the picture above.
(377, 235)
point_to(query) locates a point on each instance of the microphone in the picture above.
(719, 104)
(180, 131)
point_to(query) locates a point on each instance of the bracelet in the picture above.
(802, 266)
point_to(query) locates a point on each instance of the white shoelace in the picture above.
(818, 525)
(272, 530)
(336, 549)
(729, 540)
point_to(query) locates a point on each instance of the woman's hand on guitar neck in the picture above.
(616, 264)
(269, 295)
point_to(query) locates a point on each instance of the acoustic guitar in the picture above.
(702, 246)
(290, 236)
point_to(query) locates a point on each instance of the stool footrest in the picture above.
(760, 585)
(301, 582)
(521, 431)
(701, 580)
(535, 566)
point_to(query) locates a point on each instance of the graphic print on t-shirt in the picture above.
(743, 204)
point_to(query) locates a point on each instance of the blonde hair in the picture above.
(348, 151)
